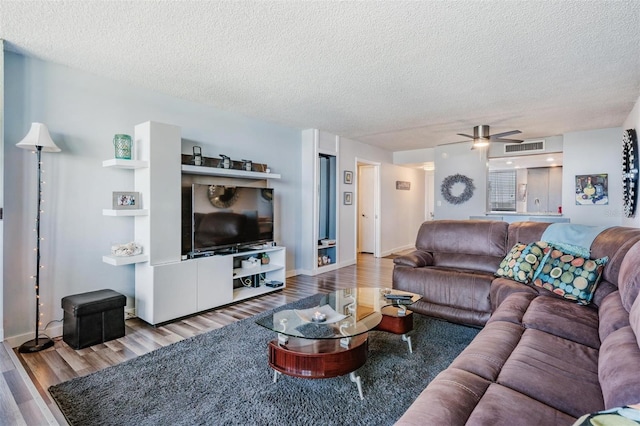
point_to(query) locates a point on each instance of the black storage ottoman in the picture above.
(92, 318)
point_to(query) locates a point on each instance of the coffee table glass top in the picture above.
(342, 313)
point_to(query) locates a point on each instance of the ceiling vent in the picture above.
(529, 146)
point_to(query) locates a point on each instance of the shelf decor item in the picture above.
(126, 200)
(128, 249)
(38, 139)
(122, 145)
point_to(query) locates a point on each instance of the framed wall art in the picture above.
(126, 200)
(348, 198)
(592, 189)
(348, 177)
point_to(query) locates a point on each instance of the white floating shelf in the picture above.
(124, 260)
(216, 171)
(131, 212)
(125, 164)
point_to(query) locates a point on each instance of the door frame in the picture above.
(376, 205)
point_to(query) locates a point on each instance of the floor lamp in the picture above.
(38, 140)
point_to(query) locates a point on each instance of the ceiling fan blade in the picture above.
(507, 140)
(465, 135)
(503, 134)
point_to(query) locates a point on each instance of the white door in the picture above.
(429, 188)
(366, 209)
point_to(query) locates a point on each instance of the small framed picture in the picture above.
(126, 200)
(348, 198)
(348, 177)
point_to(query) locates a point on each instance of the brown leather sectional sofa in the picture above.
(540, 359)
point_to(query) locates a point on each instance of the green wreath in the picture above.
(447, 185)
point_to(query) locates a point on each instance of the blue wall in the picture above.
(83, 112)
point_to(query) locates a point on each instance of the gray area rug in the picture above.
(222, 377)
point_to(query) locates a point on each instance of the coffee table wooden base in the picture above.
(319, 359)
(394, 323)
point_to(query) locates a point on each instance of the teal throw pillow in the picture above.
(522, 261)
(570, 275)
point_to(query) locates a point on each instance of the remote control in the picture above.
(398, 296)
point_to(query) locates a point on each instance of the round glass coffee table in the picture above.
(329, 338)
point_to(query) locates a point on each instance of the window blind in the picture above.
(502, 191)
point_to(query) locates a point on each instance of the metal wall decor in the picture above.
(447, 186)
(629, 172)
(222, 196)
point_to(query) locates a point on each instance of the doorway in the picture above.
(368, 208)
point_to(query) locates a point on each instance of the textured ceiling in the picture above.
(396, 74)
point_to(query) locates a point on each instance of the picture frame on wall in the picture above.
(592, 189)
(348, 198)
(348, 177)
(126, 200)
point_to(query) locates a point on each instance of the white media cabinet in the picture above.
(167, 286)
(174, 290)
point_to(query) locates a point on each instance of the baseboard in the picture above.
(397, 249)
(15, 341)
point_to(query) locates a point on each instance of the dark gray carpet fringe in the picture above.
(222, 378)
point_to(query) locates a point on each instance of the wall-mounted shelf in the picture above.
(233, 173)
(130, 212)
(125, 164)
(124, 260)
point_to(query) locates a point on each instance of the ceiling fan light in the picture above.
(480, 143)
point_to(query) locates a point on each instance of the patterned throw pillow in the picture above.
(522, 261)
(569, 275)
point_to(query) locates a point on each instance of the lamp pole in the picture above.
(38, 343)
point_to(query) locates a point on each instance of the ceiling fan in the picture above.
(481, 136)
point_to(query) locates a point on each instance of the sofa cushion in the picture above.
(629, 277)
(448, 400)
(513, 308)
(503, 406)
(487, 353)
(522, 261)
(415, 259)
(525, 232)
(446, 286)
(618, 368)
(502, 288)
(612, 315)
(614, 242)
(470, 237)
(558, 372)
(570, 276)
(564, 319)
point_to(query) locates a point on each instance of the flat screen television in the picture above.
(224, 217)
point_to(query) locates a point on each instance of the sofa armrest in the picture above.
(415, 259)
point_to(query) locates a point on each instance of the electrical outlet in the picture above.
(129, 313)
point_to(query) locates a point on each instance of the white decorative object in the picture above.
(129, 249)
(251, 262)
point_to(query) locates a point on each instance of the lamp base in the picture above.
(31, 346)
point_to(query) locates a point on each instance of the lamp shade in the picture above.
(38, 136)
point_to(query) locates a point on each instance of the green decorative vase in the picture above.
(122, 144)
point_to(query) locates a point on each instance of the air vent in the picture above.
(530, 146)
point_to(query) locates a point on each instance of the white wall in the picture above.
(401, 212)
(593, 152)
(460, 158)
(632, 122)
(83, 113)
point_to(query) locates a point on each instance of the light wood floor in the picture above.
(19, 405)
